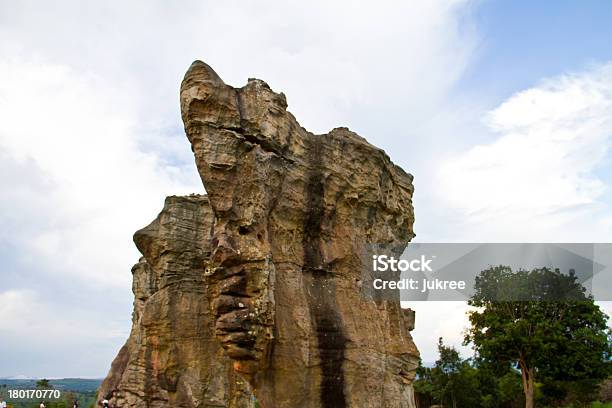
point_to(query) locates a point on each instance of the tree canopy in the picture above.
(541, 322)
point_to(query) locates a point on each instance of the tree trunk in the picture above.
(527, 375)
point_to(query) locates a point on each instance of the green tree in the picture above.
(43, 383)
(509, 386)
(452, 381)
(447, 372)
(540, 322)
(424, 386)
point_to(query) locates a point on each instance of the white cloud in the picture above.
(79, 138)
(91, 139)
(541, 178)
(90, 132)
(334, 60)
(53, 340)
(440, 319)
(28, 317)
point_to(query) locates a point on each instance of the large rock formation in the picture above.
(275, 273)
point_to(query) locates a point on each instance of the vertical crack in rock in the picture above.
(331, 342)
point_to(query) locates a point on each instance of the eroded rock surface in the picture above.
(171, 358)
(292, 213)
(257, 287)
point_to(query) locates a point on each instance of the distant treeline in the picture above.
(82, 390)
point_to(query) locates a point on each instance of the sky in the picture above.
(500, 110)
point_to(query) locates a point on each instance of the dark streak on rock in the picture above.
(331, 341)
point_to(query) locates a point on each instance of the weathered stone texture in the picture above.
(293, 211)
(171, 358)
(258, 286)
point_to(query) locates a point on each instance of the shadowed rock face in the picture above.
(171, 358)
(292, 213)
